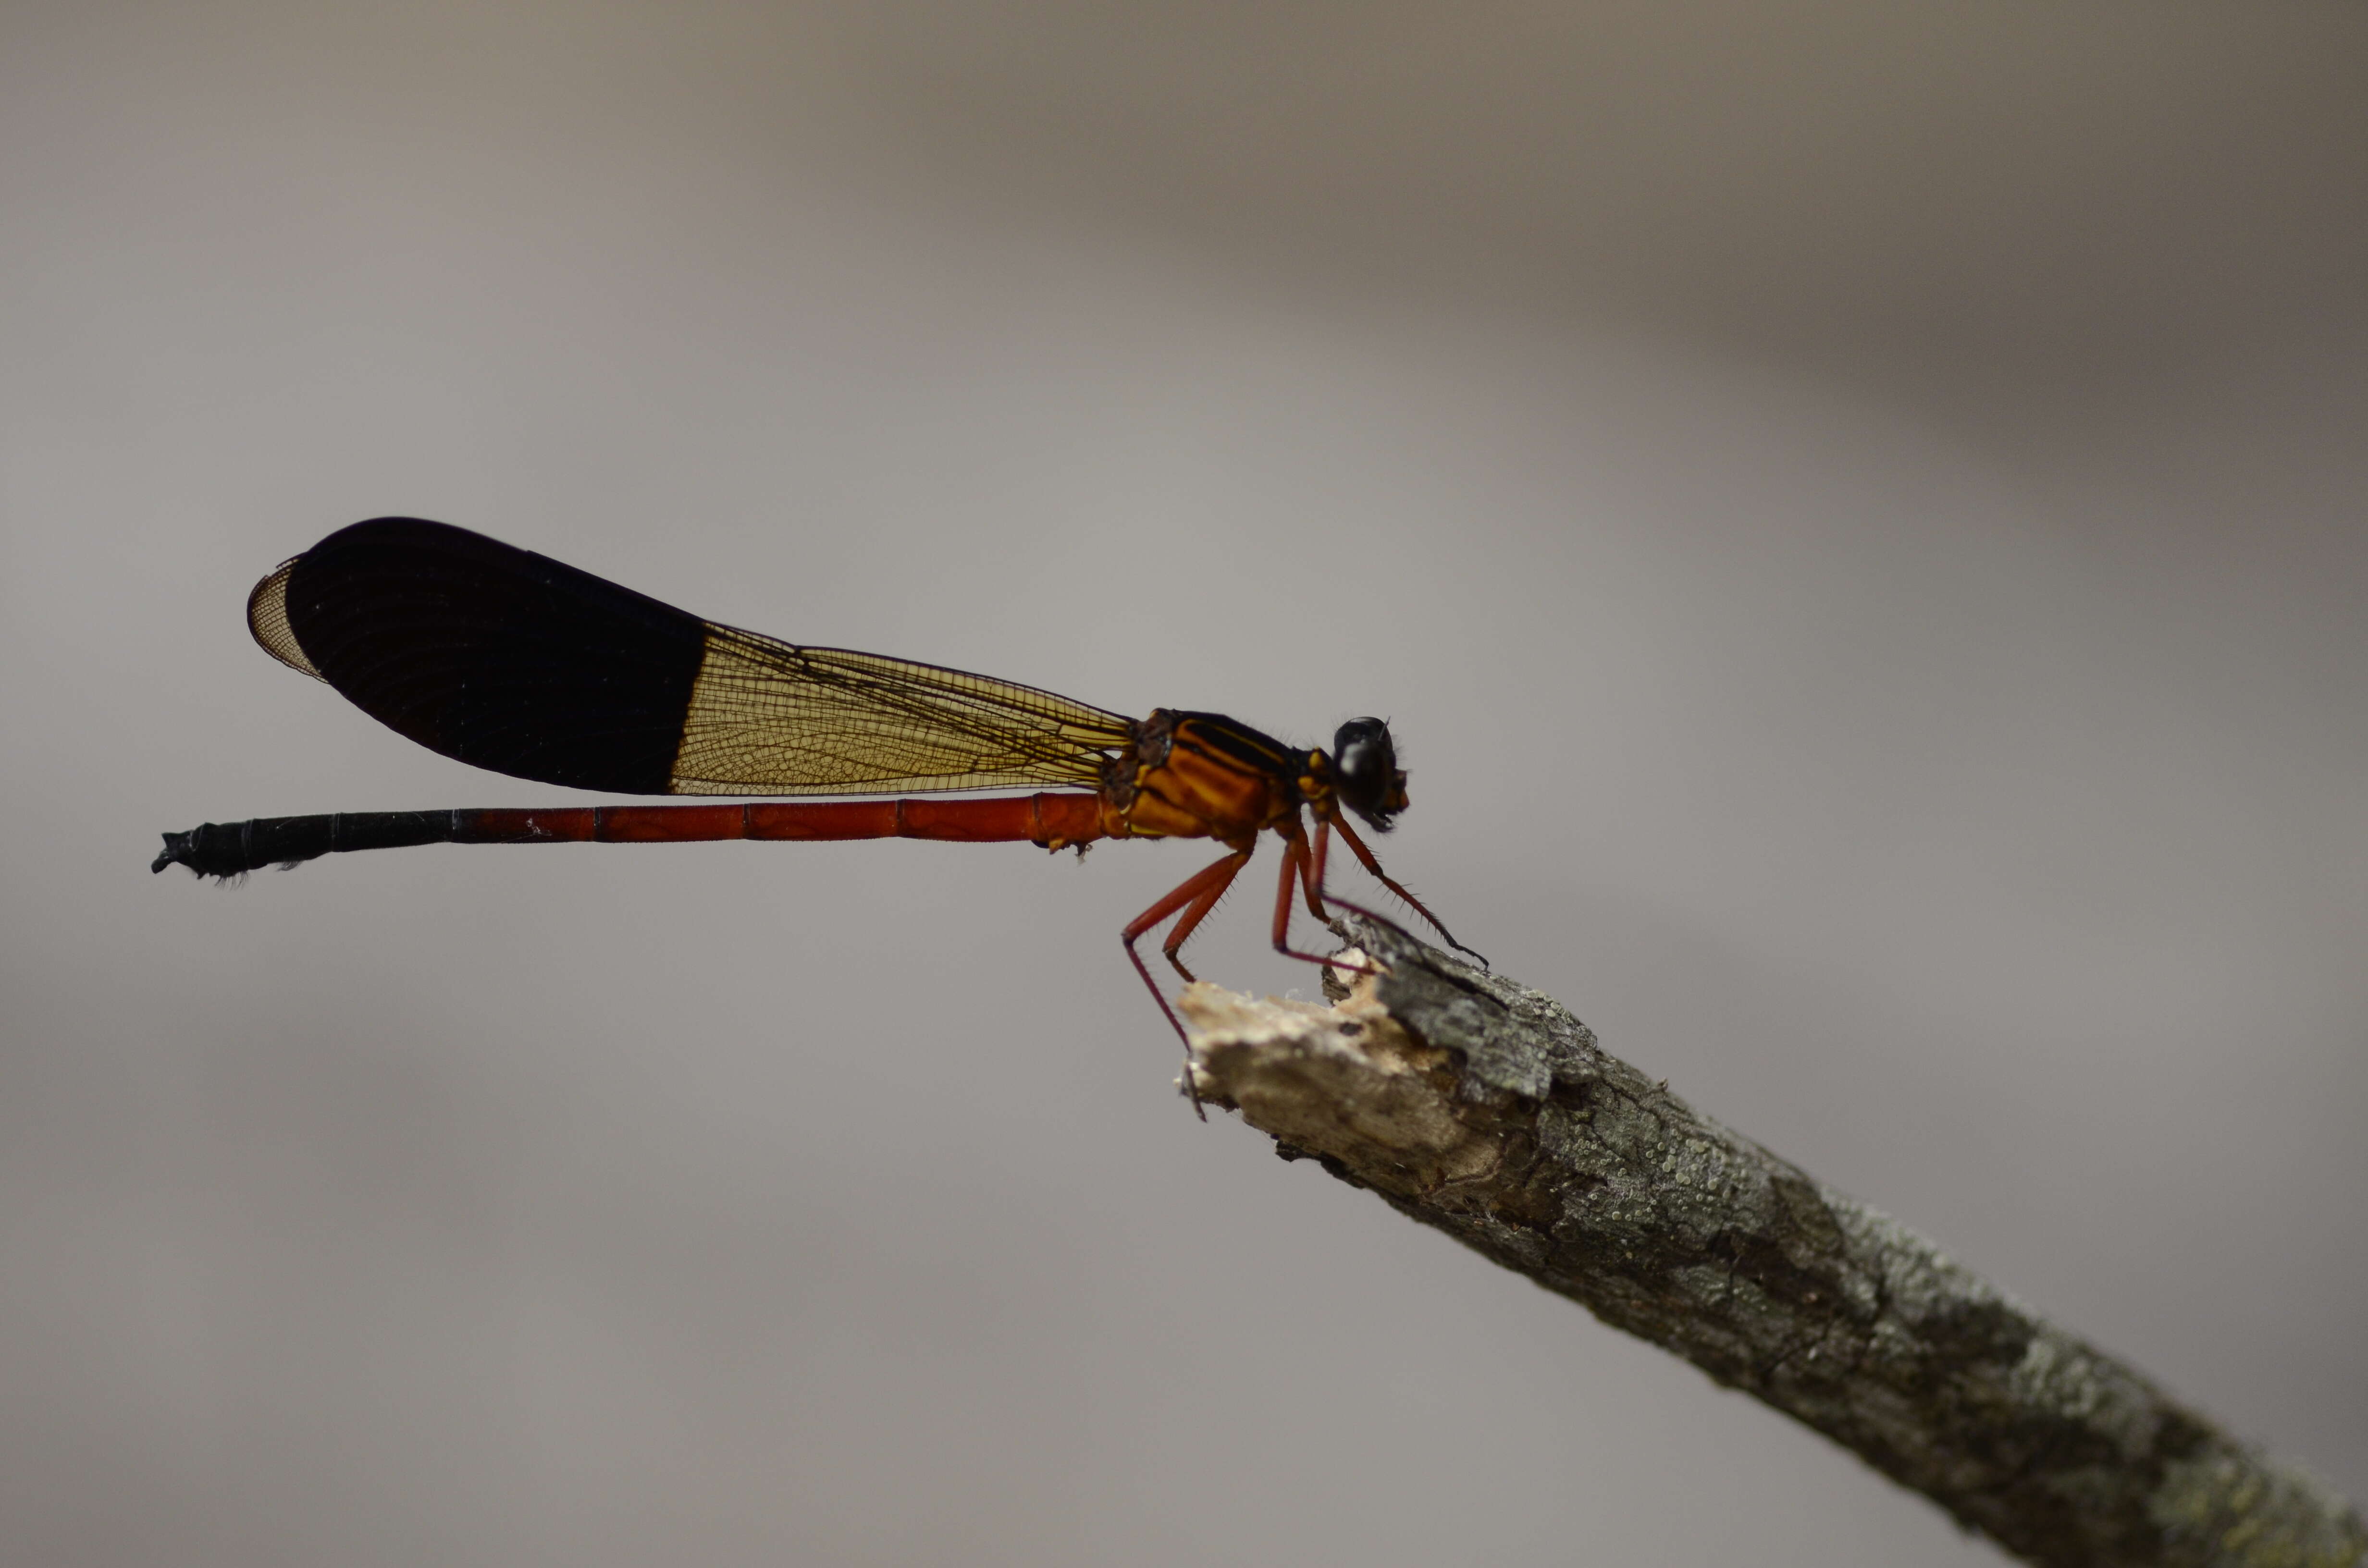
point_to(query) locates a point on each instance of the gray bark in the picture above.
(1480, 1107)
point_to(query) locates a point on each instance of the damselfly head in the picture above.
(1368, 781)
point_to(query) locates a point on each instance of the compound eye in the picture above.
(1369, 781)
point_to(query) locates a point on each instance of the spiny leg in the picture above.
(1196, 912)
(1365, 856)
(1210, 883)
(1298, 863)
(1311, 870)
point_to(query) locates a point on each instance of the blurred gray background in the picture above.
(1855, 512)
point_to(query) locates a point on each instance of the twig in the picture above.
(1478, 1105)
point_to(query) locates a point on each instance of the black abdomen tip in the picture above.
(215, 849)
(228, 850)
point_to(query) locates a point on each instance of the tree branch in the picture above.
(1480, 1107)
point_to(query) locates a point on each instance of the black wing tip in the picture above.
(418, 528)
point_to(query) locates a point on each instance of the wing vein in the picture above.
(769, 717)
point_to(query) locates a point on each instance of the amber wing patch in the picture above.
(771, 718)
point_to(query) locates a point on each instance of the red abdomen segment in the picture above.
(1054, 821)
(229, 849)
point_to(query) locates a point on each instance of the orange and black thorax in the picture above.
(1205, 776)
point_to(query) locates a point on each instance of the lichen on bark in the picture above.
(1478, 1105)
